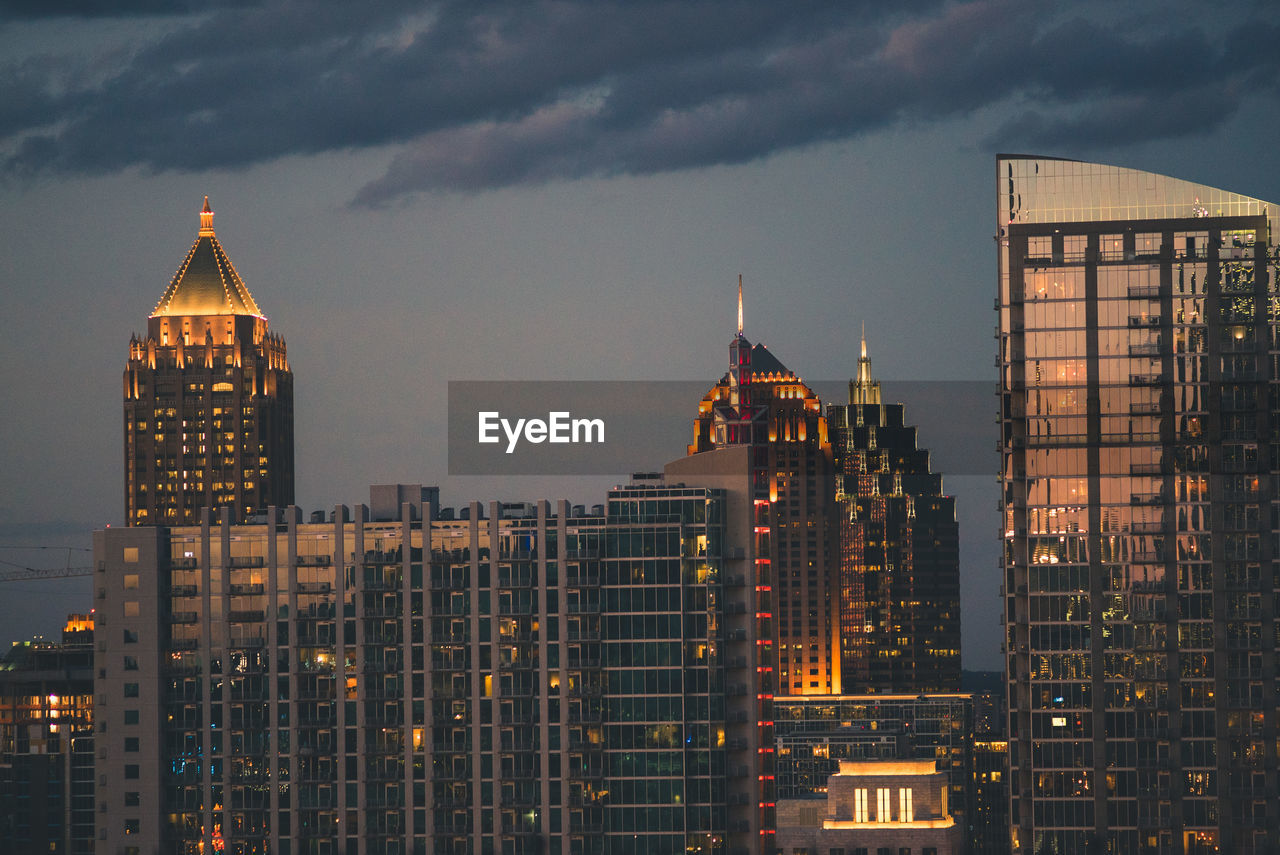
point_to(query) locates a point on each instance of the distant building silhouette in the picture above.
(47, 744)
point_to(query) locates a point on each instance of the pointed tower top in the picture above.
(739, 304)
(206, 219)
(206, 283)
(864, 390)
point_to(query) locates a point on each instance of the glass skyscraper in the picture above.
(899, 601)
(1138, 397)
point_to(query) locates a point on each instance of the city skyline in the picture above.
(442, 284)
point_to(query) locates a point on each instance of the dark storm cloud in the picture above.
(486, 94)
(36, 9)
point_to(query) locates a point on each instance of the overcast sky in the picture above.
(416, 193)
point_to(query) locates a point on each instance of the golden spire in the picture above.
(206, 219)
(739, 304)
(864, 390)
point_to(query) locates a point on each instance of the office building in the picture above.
(761, 404)
(899, 551)
(401, 678)
(816, 734)
(208, 399)
(874, 806)
(988, 820)
(46, 744)
(1138, 345)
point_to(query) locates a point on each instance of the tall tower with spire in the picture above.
(761, 403)
(899, 560)
(208, 399)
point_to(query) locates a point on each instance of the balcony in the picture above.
(314, 587)
(246, 590)
(247, 616)
(246, 561)
(184, 591)
(315, 560)
(184, 617)
(1143, 321)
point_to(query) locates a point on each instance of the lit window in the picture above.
(906, 813)
(884, 805)
(860, 805)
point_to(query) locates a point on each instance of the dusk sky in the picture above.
(417, 193)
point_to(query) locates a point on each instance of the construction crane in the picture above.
(23, 573)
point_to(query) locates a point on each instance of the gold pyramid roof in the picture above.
(206, 283)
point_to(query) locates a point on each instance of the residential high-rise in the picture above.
(208, 399)
(515, 679)
(899, 558)
(763, 405)
(1138, 339)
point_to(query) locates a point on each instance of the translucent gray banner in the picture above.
(601, 427)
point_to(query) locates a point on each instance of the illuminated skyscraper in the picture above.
(899, 567)
(762, 404)
(208, 399)
(1138, 358)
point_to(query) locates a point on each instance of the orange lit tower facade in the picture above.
(762, 404)
(899, 576)
(208, 399)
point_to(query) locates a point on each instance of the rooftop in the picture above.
(206, 283)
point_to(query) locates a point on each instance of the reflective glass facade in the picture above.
(1138, 357)
(899, 567)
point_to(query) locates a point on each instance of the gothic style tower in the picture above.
(899, 551)
(208, 399)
